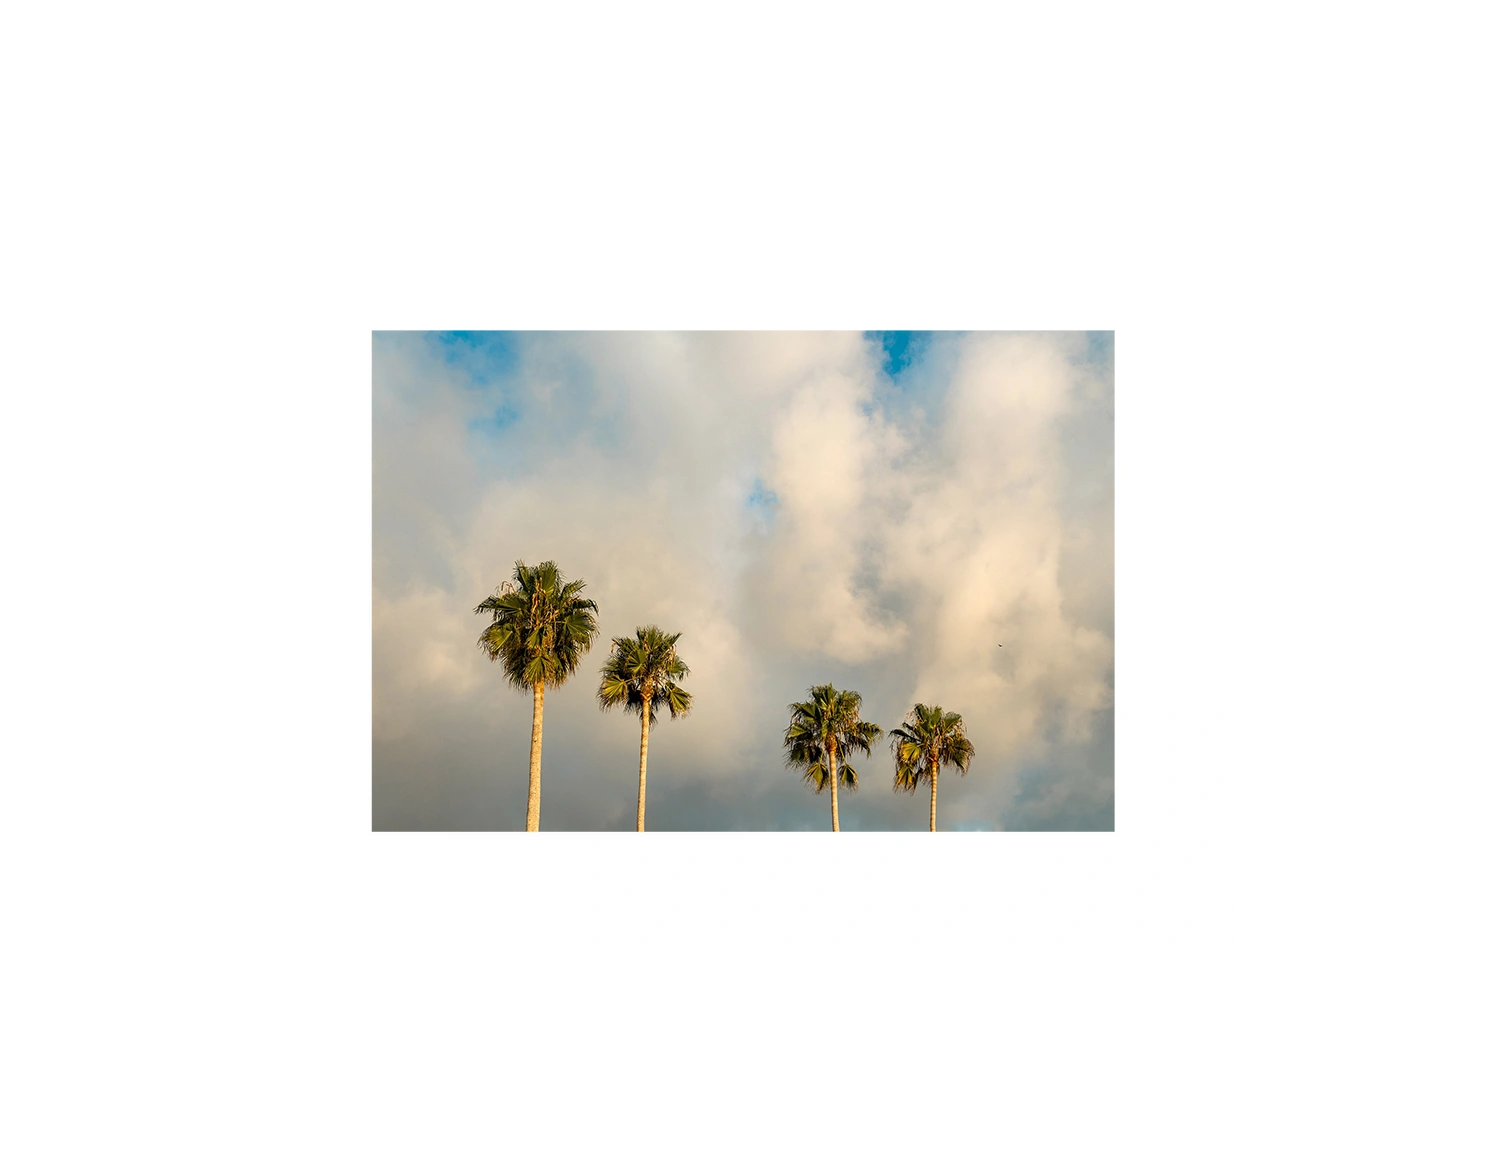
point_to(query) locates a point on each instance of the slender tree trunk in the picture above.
(932, 813)
(640, 800)
(833, 770)
(534, 793)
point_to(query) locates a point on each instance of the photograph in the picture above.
(743, 581)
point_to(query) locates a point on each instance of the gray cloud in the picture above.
(800, 516)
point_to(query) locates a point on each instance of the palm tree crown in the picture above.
(541, 629)
(824, 731)
(642, 672)
(929, 740)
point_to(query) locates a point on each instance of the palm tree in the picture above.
(823, 732)
(542, 627)
(931, 738)
(641, 675)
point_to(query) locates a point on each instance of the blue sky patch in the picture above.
(497, 420)
(1101, 345)
(761, 499)
(483, 356)
(902, 347)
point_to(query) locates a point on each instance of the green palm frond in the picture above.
(645, 670)
(825, 723)
(931, 739)
(541, 629)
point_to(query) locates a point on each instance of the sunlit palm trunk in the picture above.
(534, 793)
(640, 800)
(833, 771)
(932, 813)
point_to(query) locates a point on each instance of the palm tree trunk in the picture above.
(640, 801)
(932, 812)
(833, 771)
(534, 793)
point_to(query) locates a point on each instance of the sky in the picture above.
(878, 510)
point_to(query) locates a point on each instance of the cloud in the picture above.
(800, 515)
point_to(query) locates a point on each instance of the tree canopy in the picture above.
(645, 670)
(541, 628)
(827, 723)
(930, 739)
